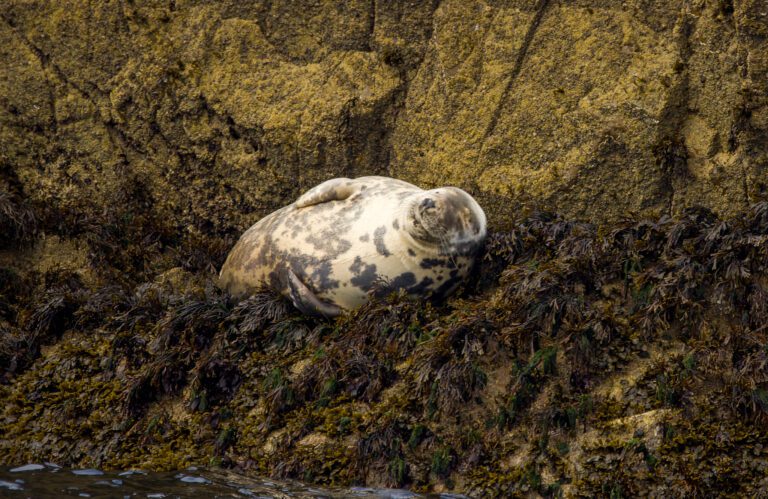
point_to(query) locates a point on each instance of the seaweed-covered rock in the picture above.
(579, 361)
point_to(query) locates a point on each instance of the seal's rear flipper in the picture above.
(335, 189)
(306, 301)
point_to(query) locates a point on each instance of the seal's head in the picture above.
(447, 218)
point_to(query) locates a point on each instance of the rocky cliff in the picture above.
(138, 139)
(224, 111)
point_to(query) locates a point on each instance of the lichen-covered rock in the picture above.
(594, 110)
(139, 139)
(226, 111)
(194, 102)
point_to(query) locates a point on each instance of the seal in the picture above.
(345, 238)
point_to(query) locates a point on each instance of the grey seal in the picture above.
(345, 237)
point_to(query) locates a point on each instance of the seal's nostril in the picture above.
(427, 203)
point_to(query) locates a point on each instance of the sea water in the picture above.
(47, 480)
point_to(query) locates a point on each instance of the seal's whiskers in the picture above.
(445, 247)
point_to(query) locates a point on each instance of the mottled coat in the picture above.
(344, 237)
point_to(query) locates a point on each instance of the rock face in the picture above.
(197, 103)
(140, 138)
(225, 111)
(592, 109)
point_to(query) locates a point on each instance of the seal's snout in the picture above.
(467, 219)
(427, 203)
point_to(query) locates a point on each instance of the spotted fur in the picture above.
(341, 239)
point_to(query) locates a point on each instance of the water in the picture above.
(48, 480)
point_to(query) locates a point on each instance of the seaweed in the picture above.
(558, 339)
(46, 320)
(18, 221)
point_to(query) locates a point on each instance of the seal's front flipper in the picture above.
(335, 189)
(306, 301)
